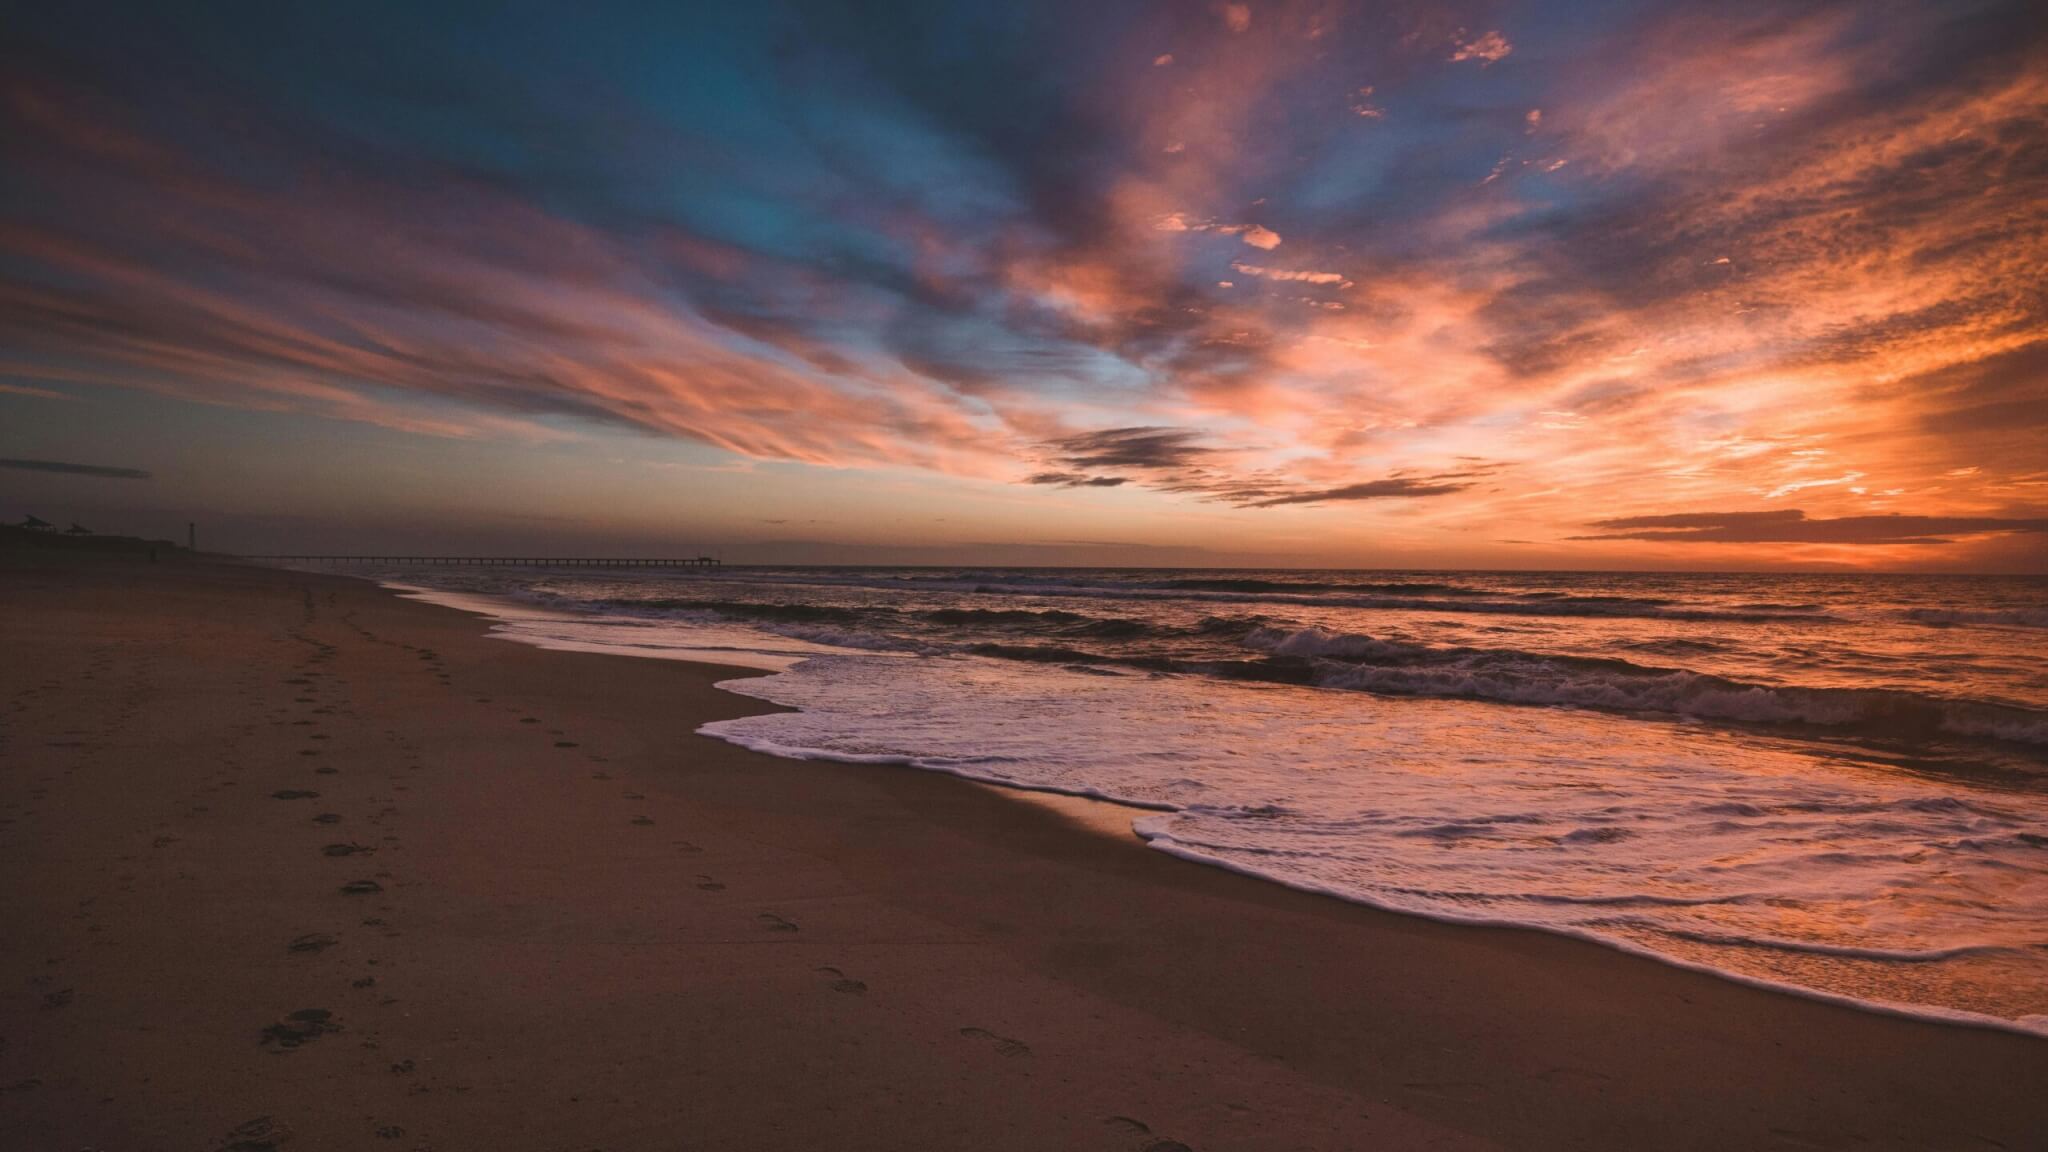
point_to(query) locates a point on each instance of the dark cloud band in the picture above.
(75, 469)
(1793, 527)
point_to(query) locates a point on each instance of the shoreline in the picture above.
(1103, 823)
(1025, 980)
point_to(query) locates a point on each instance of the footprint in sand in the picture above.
(262, 1134)
(311, 942)
(390, 1132)
(774, 923)
(642, 820)
(361, 888)
(843, 983)
(346, 850)
(303, 1026)
(687, 848)
(327, 771)
(1136, 1128)
(294, 794)
(59, 998)
(1004, 1046)
(327, 818)
(709, 885)
(565, 744)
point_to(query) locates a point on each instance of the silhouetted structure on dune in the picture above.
(34, 535)
(416, 561)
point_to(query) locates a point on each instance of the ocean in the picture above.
(1834, 784)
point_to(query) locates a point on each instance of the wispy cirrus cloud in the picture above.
(1369, 490)
(98, 470)
(1076, 480)
(38, 393)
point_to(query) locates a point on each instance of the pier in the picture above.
(500, 561)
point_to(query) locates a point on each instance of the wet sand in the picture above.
(292, 863)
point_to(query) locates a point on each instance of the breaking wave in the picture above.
(1394, 668)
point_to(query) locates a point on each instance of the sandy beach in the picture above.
(294, 863)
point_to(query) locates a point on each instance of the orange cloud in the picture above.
(1720, 266)
(1487, 48)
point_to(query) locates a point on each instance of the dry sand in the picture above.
(580, 926)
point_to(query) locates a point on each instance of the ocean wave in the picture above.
(1000, 617)
(1505, 604)
(1312, 587)
(1038, 653)
(1424, 595)
(1317, 657)
(743, 609)
(845, 637)
(1399, 668)
(1673, 646)
(2007, 617)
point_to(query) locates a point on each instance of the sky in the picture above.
(1600, 284)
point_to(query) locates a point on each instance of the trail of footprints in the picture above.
(320, 693)
(313, 684)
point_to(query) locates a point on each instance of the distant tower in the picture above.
(191, 536)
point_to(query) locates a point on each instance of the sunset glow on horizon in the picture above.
(1628, 284)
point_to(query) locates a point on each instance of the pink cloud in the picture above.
(1305, 277)
(1487, 48)
(358, 301)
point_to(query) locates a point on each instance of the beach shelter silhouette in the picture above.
(36, 524)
